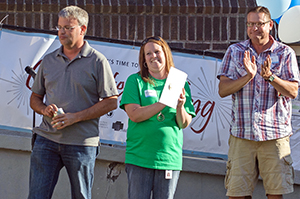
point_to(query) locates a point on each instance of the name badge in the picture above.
(168, 174)
(150, 93)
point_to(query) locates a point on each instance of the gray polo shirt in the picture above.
(74, 86)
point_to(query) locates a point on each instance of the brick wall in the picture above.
(206, 25)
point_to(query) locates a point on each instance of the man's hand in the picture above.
(49, 110)
(265, 68)
(250, 64)
(228, 86)
(63, 120)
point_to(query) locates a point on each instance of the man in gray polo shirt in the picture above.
(78, 79)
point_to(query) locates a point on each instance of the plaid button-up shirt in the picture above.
(259, 112)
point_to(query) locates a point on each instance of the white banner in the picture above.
(207, 135)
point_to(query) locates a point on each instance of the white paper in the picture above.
(173, 87)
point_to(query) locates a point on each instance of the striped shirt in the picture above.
(259, 113)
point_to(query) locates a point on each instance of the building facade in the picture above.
(198, 25)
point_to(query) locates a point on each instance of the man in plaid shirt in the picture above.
(262, 76)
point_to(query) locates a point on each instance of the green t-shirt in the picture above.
(153, 144)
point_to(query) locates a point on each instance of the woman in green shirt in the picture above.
(154, 134)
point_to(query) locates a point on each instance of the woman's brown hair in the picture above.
(144, 73)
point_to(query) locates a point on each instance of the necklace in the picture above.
(160, 117)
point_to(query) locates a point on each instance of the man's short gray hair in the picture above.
(77, 13)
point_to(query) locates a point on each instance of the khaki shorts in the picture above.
(248, 159)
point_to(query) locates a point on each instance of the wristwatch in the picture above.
(271, 78)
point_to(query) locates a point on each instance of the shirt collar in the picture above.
(248, 44)
(86, 51)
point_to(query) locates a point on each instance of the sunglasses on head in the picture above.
(149, 38)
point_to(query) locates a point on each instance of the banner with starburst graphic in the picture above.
(207, 135)
(17, 51)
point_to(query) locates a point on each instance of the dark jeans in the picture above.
(48, 158)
